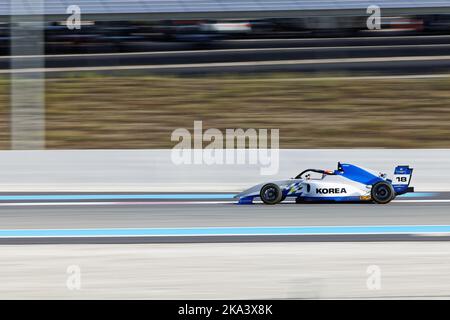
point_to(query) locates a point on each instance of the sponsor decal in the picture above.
(330, 190)
(295, 187)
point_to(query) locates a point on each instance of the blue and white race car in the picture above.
(349, 183)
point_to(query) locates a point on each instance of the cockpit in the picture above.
(314, 174)
(318, 174)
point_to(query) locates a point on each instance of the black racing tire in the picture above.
(382, 192)
(271, 194)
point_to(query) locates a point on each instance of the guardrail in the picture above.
(55, 10)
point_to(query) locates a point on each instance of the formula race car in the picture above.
(349, 183)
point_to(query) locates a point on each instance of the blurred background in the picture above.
(359, 77)
(125, 74)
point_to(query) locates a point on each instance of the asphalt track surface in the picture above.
(213, 214)
(388, 54)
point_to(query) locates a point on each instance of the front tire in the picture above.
(271, 194)
(382, 192)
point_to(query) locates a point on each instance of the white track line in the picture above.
(345, 38)
(117, 203)
(150, 53)
(228, 64)
(107, 203)
(425, 201)
(396, 201)
(374, 77)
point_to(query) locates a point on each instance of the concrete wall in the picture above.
(153, 170)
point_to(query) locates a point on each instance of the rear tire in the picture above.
(271, 194)
(382, 192)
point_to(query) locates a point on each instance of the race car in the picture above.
(349, 183)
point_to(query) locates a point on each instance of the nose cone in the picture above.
(249, 192)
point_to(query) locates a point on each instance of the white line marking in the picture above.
(119, 203)
(437, 234)
(106, 203)
(396, 201)
(229, 64)
(425, 234)
(424, 200)
(346, 38)
(417, 234)
(374, 77)
(32, 204)
(231, 227)
(151, 53)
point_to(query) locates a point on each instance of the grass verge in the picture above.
(95, 111)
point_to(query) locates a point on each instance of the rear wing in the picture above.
(402, 179)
